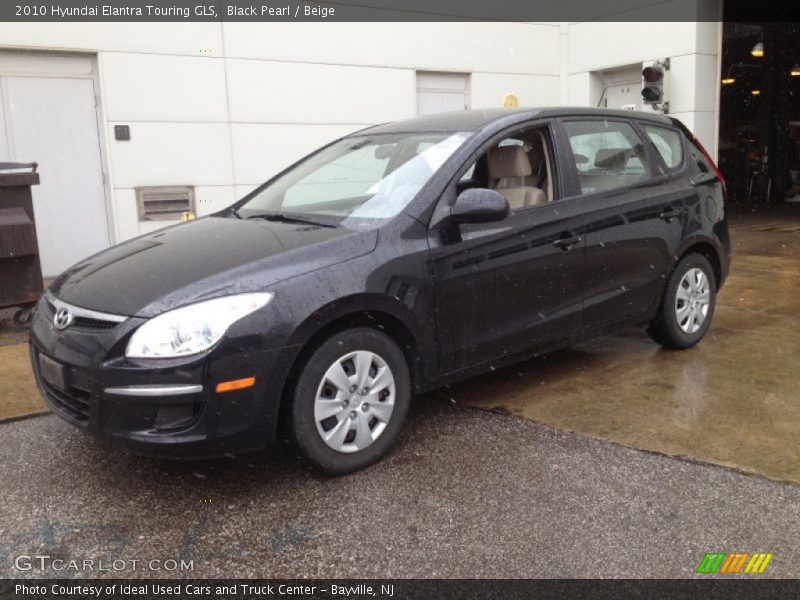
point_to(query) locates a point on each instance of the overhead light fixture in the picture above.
(728, 80)
(795, 72)
(758, 50)
(756, 92)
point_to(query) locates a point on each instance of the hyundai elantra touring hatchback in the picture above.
(389, 262)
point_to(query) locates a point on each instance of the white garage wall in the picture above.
(525, 48)
(691, 84)
(223, 106)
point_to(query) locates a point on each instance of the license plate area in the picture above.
(53, 372)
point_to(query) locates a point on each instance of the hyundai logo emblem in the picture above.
(63, 318)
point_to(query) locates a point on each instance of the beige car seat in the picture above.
(541, 176)
(509, 166)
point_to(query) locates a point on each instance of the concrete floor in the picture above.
(465, 493)
(732, 400)
(18, 394)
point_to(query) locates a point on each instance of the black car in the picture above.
(390, 262)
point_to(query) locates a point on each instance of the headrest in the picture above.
(508, 161)
(613, 159)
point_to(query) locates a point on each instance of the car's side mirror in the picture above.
(479, 205)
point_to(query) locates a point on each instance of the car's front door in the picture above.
(511, 285)
(528, 274)
(633, 218)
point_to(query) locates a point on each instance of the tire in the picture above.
(23, 317)
(682, 322)
(362, 427)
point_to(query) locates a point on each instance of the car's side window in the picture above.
(608, 154)
(469, 174)
(668, 144)
(519, 167)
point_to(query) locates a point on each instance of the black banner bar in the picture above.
(400, 589)
(396, 10)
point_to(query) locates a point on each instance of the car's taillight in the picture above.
(710, 160)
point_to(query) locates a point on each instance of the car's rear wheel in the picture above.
(350, 401)
(688, 304)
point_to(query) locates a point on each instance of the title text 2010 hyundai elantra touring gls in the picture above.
(389, 262)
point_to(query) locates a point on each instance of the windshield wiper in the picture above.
(284, 218)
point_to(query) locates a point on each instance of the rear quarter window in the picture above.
(667, 143)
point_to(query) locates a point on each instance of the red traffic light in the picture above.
(653, 74)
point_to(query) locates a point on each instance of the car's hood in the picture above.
(202, 259)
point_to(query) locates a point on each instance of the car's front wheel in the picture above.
(688, 304)
(350, 401)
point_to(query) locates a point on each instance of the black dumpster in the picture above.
(20, 271)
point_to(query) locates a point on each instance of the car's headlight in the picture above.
(192, 329)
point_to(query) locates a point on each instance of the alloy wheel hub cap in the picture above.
(354, 401)
(692, 300)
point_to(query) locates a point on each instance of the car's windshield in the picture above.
(359, 181)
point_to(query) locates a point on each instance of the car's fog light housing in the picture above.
(192, 329)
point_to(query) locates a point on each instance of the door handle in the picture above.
(565, 243)
(670, 213)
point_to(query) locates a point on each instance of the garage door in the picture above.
(441, 92)
(53, 122)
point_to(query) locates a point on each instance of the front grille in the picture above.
(81, 322)
(75, 402)
(87, 323)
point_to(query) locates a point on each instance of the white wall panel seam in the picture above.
(315, 62)
(606, 67)
(287, 61)
(240, 122)
(105, 153)
(205, 185)
(228, 105)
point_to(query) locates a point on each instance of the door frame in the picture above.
(467, 75)
(561, 188)
(571, 177)
(38, 66)
(658, 177)
(561, 184)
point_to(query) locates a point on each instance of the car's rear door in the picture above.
(633, 217)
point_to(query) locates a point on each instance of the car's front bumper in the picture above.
(161, 410)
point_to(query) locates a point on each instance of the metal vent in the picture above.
(164, 203)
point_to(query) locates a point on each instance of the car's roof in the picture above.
(476, 120)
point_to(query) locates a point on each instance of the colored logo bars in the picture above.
(720, 562)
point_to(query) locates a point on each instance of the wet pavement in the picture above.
(465, 493)
(18, 394)
(733, 400)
